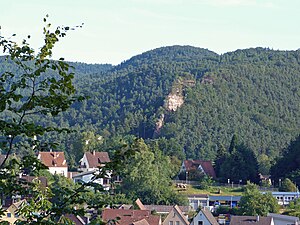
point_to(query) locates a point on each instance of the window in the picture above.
(177, 222)
(9, 215)
(171, 223)
(200, 222)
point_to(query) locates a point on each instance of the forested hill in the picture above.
(253, 92)
(194, 99)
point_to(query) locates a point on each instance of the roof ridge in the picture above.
(176, 207)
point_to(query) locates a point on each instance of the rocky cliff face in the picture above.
(159, 124)
(173, 102)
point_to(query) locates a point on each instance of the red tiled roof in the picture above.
(141, 222)
(129, 216)
(53, 159)
(166, 208)
(249, 220)
(96, 158)
(206, 165)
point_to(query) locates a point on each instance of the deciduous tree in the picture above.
(253, 202)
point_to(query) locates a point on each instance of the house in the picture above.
(201, 165)
(225, 200)
(92, 160)
(86, 177)
(55, 161)
(11, 213)
(284, 220)
(162, 209)
(198, 201)
(176, 217)
(251, 220)
(202, 200)
(204, 217)
(284, 198)
(125, 206)
(7, 200)
(131, 217)
(166, 209)
(265, 179)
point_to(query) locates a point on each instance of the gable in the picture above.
(176, 215)
(129, 216)
(204, 166)
(206, 216)
(53, 159)
(95, 159)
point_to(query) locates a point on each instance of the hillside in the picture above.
(253, 92)
(193, 99)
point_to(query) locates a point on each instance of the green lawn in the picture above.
(212, 190)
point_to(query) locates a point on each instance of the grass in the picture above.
(213, 190)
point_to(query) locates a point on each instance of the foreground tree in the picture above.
(255, 203)
(41, 87)
(293, 209)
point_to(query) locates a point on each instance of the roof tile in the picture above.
(53, 159)
(206, 165)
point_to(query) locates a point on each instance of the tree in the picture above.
(255, 203)
(146, 174)
(288, 185)
(293, 209)
(264, 164)
(288, 164)
(240, 164)
(206, 182)
(222, 154)
(42, 88)
(233, 143)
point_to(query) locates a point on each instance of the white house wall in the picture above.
(85, 162)
(59, 170)
(200, 217)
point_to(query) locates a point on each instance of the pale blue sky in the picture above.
(115, 30)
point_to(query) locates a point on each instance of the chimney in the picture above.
(257, 218)
(94, 153)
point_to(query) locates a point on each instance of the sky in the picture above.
(116, 30)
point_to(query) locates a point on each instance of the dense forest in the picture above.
(254, 93)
